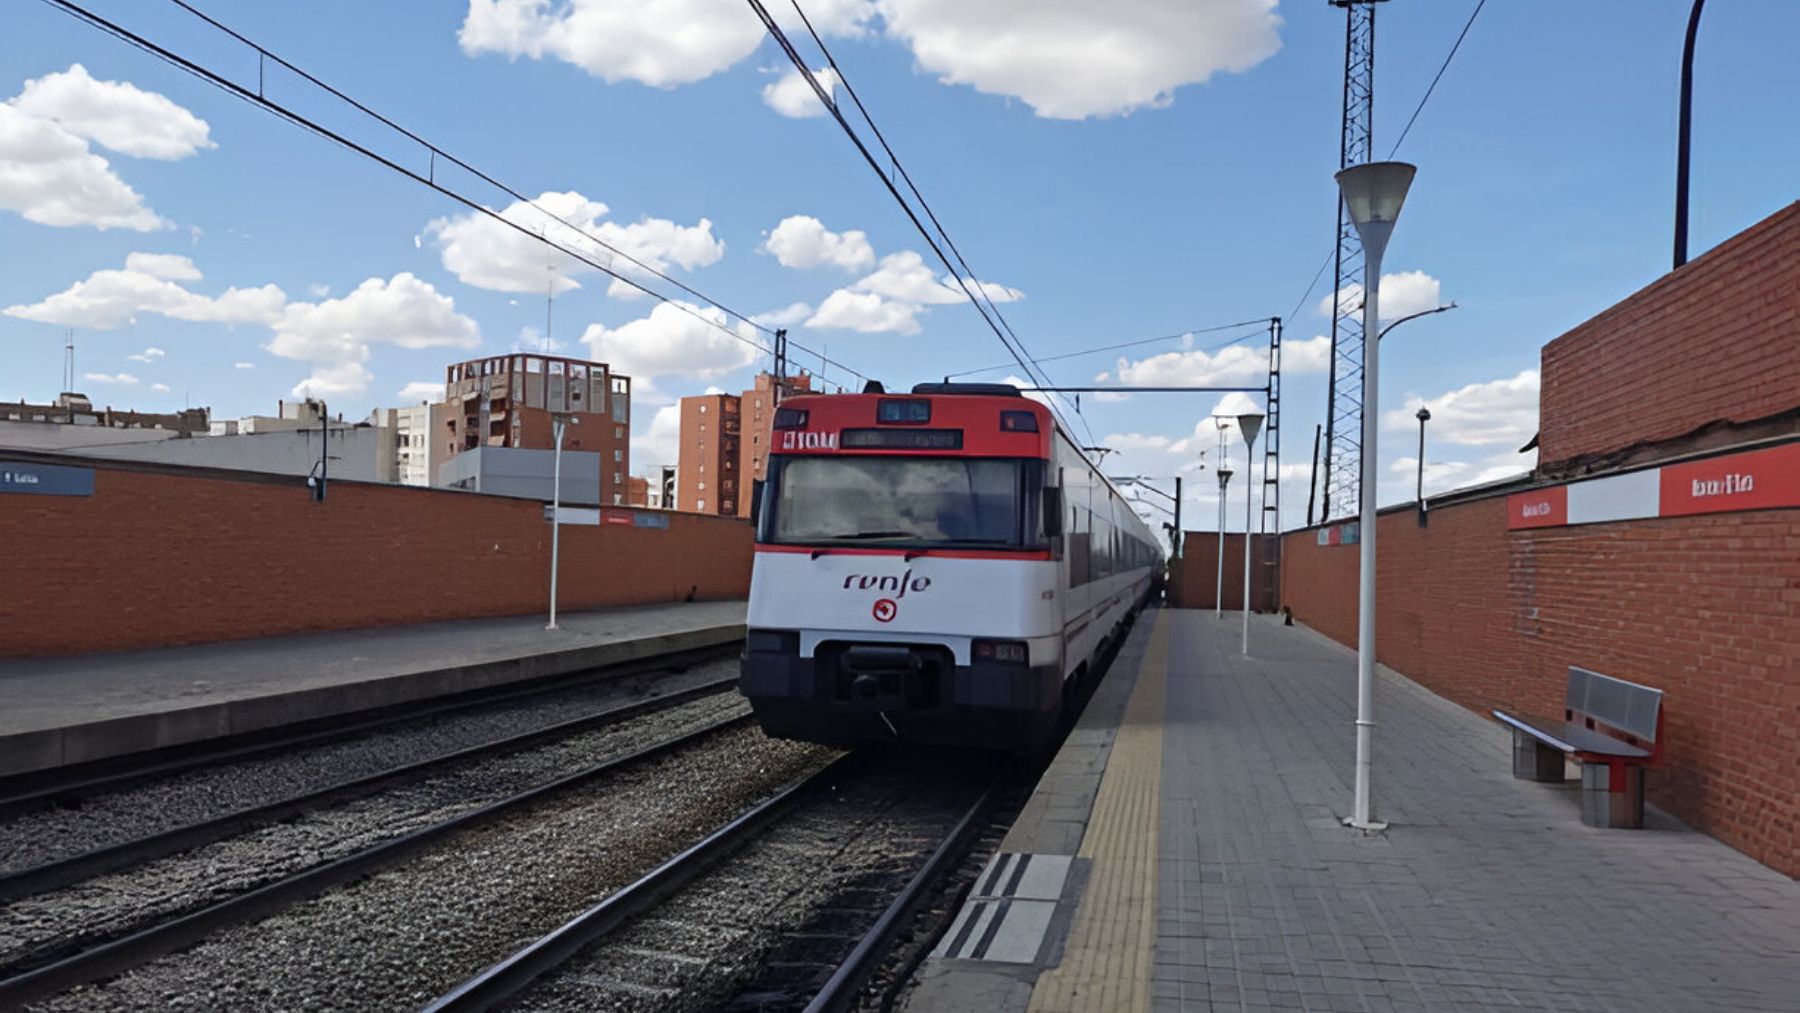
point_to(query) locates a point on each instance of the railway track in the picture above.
(24, 793)
(791, 905)
(94, 960)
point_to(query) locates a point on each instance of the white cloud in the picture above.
(671, 342)
(905, 277)
(116, 114)
(488, 254)
(148, 355)
(788, 316)
(1071, 59)
(334, 336)
(319, 291)
(658, 443)
(119, 378)
(661, 43)
(160, 388)
(802, 241)
(243, 365)
(421, 390)
(1503, 411)
(793, 97)
(168, 266)
(109, 297)
(865, 312)
(49, 176)
(1232, 366)
(1402, 294)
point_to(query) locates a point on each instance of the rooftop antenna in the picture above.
(549, 302)
(69, 359)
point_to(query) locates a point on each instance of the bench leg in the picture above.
(1612, 795)
(1534, 761)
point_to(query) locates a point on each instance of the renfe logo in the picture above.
(898, 585)
(885, 610)
(791, 440)
(1730, 485)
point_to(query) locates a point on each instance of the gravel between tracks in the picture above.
(764, 930)
(405, 935)
(34, 838)
(43, 926)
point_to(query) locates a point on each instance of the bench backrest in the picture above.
(1625, 709)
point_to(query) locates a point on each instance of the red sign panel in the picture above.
(1539, 508)
(1757, 480)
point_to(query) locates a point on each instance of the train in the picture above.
(939, 568)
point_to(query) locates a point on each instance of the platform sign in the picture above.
(573, 515)
(45, 479)
(1764, 479)
(645, 519)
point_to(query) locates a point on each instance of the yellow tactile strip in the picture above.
(1106, 963)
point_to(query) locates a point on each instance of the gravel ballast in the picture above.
(35, 838)
(403, 936)
(36, 929)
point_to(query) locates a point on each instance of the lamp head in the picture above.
(1373, 193)
(1424, 415)
(1249, 424)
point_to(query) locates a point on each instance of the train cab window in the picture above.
(910, 501)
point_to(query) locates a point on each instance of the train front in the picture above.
(904, 588)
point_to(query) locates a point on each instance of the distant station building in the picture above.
(725, 444)
(496, 430)
(71, 420)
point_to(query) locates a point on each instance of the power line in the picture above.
(1013, 348)
(429, 179)
(1440, 74)
(1134, 344)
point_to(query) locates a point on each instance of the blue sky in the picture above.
(1130, 169)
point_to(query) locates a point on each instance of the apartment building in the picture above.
(507, 402)
(725, 445)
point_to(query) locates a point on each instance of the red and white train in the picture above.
(941, 567)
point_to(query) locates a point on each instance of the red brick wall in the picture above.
(1196, 579)
(1705, 608)
(154, 558)
(1717, 340)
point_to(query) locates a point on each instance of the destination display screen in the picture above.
(902, 439)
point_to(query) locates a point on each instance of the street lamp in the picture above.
(560, 422)
(1249, 424)
(1373, 194)
(1423, 416)
(1219, 593)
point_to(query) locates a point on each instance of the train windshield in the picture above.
(902, 501)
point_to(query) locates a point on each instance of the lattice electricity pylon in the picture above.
(1343, 413)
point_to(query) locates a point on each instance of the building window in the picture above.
(618, 455)
(700, 505)
(616, 478)
(618, 432)
(703, 409)
(702, 486)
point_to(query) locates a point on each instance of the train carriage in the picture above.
(939, 567)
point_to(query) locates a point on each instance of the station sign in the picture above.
(45, 479)
(1765, 479)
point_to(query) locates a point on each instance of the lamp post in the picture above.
(1423, 416)
(560, 422)
(1373, 194)
(1249, 425)
(1219, 593)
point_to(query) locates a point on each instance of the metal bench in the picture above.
(1612, 727)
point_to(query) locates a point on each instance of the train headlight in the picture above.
(1010, 652)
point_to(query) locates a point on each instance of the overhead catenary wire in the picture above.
(1138, 343)
(1013, 348)
(429, 180)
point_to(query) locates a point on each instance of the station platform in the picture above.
(1185, 851)
(61, 711)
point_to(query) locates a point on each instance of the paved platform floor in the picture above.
(65, 710)
(1213, 871)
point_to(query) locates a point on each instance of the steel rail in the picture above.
(34, 790)
(840, 990)
(513, 975)
(122, 954)
(143, 850)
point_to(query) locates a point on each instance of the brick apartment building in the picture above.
(507, 401)
(725, 445)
